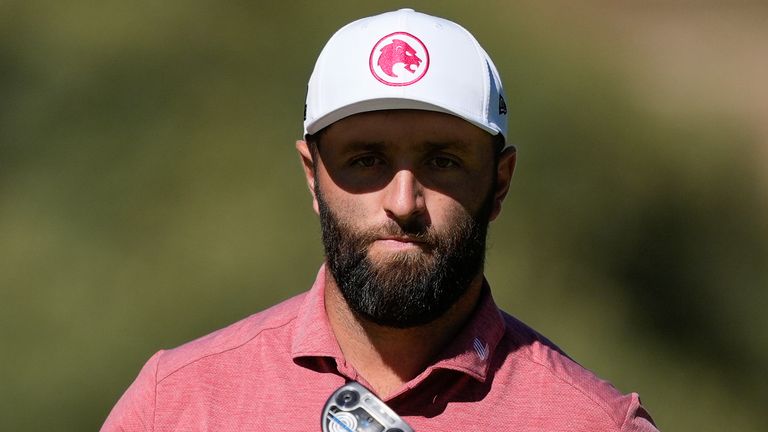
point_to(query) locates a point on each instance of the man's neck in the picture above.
(389, 357)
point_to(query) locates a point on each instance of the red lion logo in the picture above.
(398, 52)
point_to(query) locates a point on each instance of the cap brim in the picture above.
(314, 126)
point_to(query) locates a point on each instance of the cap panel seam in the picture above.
(484, 72)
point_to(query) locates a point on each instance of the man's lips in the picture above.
(400, 243)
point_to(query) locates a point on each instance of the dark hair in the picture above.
(498, 143)
(313, 142)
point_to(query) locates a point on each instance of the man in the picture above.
(405, 157)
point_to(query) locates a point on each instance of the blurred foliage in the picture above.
(150, 193)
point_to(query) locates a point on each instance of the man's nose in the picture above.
(404, 197)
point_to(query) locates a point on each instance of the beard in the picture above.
(410, 288)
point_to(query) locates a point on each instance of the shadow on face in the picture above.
(429, 151)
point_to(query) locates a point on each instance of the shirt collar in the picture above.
(470, 351)
(312, 334)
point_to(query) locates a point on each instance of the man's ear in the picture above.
(504, 171)
(305, 154)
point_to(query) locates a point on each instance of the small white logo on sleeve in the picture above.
(481, 348)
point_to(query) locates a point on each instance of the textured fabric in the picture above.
(274, 370)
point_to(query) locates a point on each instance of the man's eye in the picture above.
(443, 162)
(366, 161)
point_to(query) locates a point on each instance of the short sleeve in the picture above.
(135, 410)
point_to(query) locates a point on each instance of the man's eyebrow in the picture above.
(426, 146)
(455, 145)
(356, 146)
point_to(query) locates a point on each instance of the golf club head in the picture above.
(353, 408)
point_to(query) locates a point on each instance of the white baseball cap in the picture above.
(405, 60)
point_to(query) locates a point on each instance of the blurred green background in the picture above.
(150, 192)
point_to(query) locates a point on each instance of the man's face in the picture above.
(404, 199)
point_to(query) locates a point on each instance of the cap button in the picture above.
(406, 10)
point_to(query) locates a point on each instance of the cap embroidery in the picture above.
(399, 59)
(502, 105)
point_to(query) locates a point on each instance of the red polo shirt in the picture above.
(274, 370)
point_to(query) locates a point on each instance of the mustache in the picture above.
(415, 231)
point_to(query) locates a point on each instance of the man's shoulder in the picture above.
(551, 370)
(235, 336)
